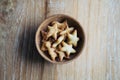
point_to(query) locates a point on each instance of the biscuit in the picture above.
(73, 39)
(61, 26)
(61, 55)
(67, 48)
(59, 40)
(51, 51)
(67, 30)
(52, 31)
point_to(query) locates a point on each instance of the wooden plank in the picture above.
(60, 72)
(17, 53)
(93, 15)
(113, 47)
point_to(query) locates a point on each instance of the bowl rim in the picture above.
(38, 32)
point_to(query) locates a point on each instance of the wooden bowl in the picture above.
(71, 22)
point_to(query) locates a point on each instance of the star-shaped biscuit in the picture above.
(51, 51)
(52, 31)
(61, 26)
(43, 47)
(72, 38)
(67, 30)
(67, 48)
(59, 40)
(44, 35)
(61, 55)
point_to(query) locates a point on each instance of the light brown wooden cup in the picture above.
(72, 23)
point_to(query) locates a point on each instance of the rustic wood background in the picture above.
(19, 59)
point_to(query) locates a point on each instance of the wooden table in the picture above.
(100, 58)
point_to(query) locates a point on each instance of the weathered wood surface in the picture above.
(19, 59)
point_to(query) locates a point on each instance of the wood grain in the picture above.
(19, 59)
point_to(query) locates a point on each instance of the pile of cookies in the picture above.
(59, 40)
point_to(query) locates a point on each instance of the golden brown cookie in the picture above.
(59, 40)
(67, 48)
(52, 31)
(72, 38)
(51, 50)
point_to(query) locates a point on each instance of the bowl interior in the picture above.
(72, 23)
